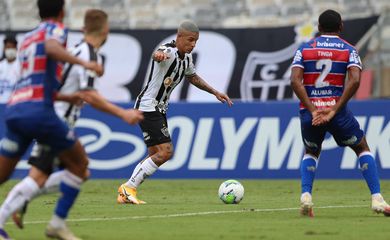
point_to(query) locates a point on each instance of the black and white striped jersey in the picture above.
(77, 78)
(163, 78)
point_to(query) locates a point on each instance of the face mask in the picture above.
(10, 53)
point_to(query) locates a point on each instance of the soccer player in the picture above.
(171, 63)
(30, 113)
(76, 80)
(9, 68)
(318, 79)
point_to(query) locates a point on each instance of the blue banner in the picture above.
(248, 140)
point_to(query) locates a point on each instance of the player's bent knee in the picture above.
(168, 152)
(39, 176)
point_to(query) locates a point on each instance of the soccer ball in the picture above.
(231, 192)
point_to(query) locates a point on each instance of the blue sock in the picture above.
(308, 169)
(68, 197)
(370, 172)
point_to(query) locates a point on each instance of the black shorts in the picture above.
(43, 158)
(155, 128)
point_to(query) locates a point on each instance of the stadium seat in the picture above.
(207, 18)
(144, 18)
(238, 22)
(77, 17)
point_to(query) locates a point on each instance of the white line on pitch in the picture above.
(192, 214)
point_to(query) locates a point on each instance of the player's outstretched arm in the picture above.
(97, 101)
(202, 84)
(57, 52)
(74, 98)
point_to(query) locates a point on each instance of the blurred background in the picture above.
(245, 49)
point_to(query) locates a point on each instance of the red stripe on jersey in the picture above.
(27, 94)
(332, 79)
(35, 38)
(39, 64)
(323, 53)
(324, 102)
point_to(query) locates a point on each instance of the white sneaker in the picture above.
(60, 233)
(306, 205)
(379, 205)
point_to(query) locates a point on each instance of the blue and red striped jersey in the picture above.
(325, 61)
(40, 76)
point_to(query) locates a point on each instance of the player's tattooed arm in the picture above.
(203, 85)
(74, 98)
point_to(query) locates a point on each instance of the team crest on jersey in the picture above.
(168, 81)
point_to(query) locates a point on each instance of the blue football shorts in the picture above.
(343, 127)
(47, 129)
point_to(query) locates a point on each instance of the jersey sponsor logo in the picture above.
(330, 44)
(321, 103)
(27, 94)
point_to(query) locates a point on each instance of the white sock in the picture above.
(19, 194)
(52, 184)
(141, 171)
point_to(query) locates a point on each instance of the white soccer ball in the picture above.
(231, 191)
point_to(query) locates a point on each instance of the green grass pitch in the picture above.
(190, 209)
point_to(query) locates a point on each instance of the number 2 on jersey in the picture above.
(326, 66)
(28, 56)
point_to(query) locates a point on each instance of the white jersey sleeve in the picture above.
(190, 70)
